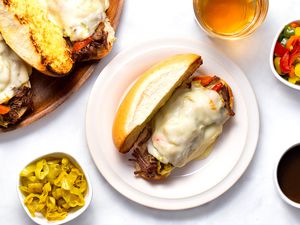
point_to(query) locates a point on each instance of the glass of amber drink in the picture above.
(230, 19)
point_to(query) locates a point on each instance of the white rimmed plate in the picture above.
(200, 181)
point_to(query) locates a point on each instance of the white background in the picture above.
(253, 200)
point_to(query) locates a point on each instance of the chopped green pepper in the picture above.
(284, 41)
(288, 31)
(281, 36)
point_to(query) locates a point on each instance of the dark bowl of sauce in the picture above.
(288, 176)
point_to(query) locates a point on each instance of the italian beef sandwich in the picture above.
(171, 116)
(51, 35)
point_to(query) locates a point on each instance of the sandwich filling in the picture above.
(15, 94)
(85, 23)
(184, 129)
(187, 125)
(79, 19)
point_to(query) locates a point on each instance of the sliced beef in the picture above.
(22, 99)
(96, 48)
(146, 165)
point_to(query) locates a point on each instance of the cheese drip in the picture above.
(187, 125)
(78, 18)
(14, 72)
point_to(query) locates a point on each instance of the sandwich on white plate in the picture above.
(171, 116)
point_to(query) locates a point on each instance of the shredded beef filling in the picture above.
(146, 164)
(92, 50)
(22, 99)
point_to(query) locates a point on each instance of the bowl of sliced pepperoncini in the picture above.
(54, 189)
(285, 55)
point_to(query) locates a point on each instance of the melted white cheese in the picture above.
(14, 72)
(78, 18)
(187, 125)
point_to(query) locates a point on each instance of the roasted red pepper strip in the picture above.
(4, 109)
(284, 63)
(279, 49)
(81, 44)
(205, 80)
(217, 87)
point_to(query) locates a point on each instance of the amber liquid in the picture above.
(226, 17)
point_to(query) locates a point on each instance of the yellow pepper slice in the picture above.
(42, 169)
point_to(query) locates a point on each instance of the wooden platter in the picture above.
(50, 92)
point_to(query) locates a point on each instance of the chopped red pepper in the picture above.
(4, 109)
(217, 87)
(279, 49)
(81, 44)
(284, 63)
(205, 80)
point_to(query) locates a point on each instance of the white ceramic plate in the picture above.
(200, 181)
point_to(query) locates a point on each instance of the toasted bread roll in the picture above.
(26, 28)
(148, 95)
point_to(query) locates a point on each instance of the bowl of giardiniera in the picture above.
(285, 55)
(54, 189)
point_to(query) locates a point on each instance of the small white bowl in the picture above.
(71, 215)
(279, 77)
(281, 194)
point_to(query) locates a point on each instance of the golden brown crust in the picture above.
(139, 105)
(39, 42)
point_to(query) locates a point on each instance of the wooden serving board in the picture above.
(50, 92)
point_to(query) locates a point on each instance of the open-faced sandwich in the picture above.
(15, 92)
(171, 116)
(51, 35)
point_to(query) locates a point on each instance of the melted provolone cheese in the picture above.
(78, 18)
(14, 72)
(187, 125)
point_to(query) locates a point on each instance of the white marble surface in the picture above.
(253, 200)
